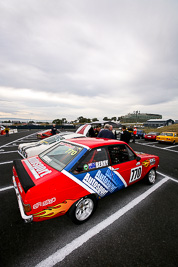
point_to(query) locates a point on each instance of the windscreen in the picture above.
(51, 140)
(60, 156)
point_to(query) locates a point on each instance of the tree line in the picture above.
(82, 119)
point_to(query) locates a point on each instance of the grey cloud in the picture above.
(125, 50)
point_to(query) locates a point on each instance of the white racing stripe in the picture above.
(59, 255)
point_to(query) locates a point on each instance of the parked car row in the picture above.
(68, 173)
(165, 137)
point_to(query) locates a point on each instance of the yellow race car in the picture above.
(170, 137)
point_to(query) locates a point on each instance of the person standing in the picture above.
(134, 134)
(54, 129)
(6, 131)
(106, 133)
(91, 132)
(97, 130)
(125, 135)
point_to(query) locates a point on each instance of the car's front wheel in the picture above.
(151, 176)
(83, 209)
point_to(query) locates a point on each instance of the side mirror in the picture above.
(138, 158)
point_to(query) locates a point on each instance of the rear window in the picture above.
(58, 157)
(51, 140)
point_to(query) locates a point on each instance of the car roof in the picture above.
(168, 132)
(95, 142)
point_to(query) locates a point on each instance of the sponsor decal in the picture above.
(37, 168)
(58, 209)
(95, 185)
(152, 161)
(85, 167)
(148, 162)
(66, 144)
(102, 183)
(135, 174)
(105, 180)
(94, 165)
(44, 203)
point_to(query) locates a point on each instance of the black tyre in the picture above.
(83, 209)
(151, 176)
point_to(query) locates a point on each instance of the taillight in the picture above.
(27, 207)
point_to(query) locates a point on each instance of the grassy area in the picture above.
(170, 128)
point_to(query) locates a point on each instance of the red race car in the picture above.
(45, 134)
(151, 136)
(2, 130)
(72, 175)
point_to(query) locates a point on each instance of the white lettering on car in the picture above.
(105, 181)
(37, 168)
(100, 164)
(44, 203)
(93, 184)
(135, 174)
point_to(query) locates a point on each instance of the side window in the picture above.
(97, 158)
(130, 153)
(120, 153)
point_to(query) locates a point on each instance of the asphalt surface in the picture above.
(132, 227)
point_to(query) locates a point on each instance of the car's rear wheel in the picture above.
(83, 209)
(151, 176)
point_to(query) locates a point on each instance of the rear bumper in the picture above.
(27, 218)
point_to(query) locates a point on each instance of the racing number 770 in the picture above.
(135, 174)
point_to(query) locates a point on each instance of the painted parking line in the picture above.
(6, 152)
(163, 148)
(7, 162)
(170, 146)
(17, 140)
(6, 188)
(171, 178)
(59, 255)
(21, 154)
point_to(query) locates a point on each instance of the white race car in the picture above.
(27, 150)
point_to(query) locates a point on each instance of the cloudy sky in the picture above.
(90, 58)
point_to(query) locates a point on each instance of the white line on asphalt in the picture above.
(21, 154)
(7, 162)
(16, 140)
(170, 146)
(173, 179)
(59, 255)
(6, 152)
(163, 148)
(152, 143)
(6, 188)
